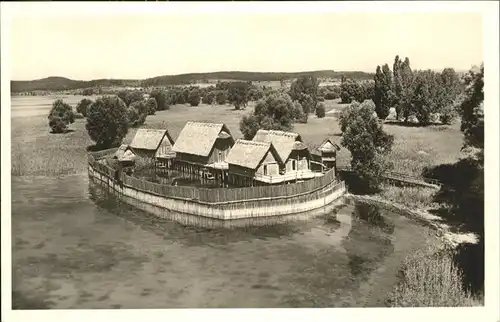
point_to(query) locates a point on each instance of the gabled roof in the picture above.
(282, 141)
(198, 138)
(249, 154)
(121, 150)
(124, 153)
(149, 139)
(328, 146)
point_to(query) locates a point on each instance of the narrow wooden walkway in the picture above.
(402, 178)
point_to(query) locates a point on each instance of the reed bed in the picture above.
(430, 278)
(413, 197)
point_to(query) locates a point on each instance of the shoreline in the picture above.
(423, 217)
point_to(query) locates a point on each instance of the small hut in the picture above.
(149, 143)
(326, 154)
(201, 146)
(251, 161)
(125, 156)
(290, 148)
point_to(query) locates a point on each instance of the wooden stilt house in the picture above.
(326, 155)
(152, 143)
(252, 162)
(292, 151)
(203, 147)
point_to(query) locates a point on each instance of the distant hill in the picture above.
(62, 83)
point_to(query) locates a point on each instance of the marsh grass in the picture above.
(413, 197)
(430, 278)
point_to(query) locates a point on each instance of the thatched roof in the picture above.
(149, 139)
(121, 150)
(124, 154)
(297, 145)
(198, 138)
(128, 156)
(328, 146)
(249, 154)
(282, 141)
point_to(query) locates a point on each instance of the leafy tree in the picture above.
(208, 98)
(305, 88)
(406, 76)
(107, 121)
(351, 90)
(221, 97)
(422, 100)
(82, 106)
(238, 94)
(397, 83)
(194, 97)
(61, 113)
(450, 88)
(58, 125)
(128, 97)
(255, 94)
(151, 106)
(249, 125)
(320, 110)
(364, 137)
(298, 113)
(383, 91)
(274, 112)
(162, 101)
(137, 113)
(472, 109)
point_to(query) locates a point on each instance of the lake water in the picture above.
(25, 106)
(75, 246)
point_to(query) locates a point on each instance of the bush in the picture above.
(82, 106)
(58, 125)
(208, 98)
(320, 110)
(60, 116)
(331, 96)
(194, 97)
(161, 98)
(221, 97)
(151, 106)
(107, 121)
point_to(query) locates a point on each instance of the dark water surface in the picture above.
(76, 247)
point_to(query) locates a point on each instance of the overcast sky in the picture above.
(139, 46)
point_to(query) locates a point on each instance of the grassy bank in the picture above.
(412, 197)
(429, 277)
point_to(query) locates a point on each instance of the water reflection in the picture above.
(197, 230)
(76, 246)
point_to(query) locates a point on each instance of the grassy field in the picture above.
(35, 151)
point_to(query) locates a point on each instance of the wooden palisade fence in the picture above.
(311, 192)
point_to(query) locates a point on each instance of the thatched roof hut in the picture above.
(327, 149)
(152, 142)
(250, 154)
(202, 142)
(284, 142)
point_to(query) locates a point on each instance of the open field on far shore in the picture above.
(35, 151)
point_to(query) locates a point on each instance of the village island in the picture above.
(275, 173)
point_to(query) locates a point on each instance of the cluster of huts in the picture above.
(210, 151)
